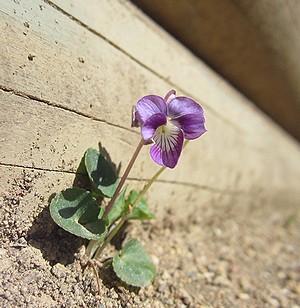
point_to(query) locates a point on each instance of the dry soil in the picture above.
(223, 256)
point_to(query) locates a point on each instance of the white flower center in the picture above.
(166, 135)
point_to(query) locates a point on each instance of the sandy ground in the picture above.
(223, 256)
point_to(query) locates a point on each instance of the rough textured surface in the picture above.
(226, 229)
(232, 256)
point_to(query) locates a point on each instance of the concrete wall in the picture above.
(70, 73)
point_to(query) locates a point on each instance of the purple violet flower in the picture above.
(166, 122)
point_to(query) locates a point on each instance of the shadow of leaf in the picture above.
(111, 280)
(104, 152)
(56, 245)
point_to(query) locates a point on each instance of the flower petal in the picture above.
(188, 115)
(168, 142)
(170, 95)
(151, 124)
(192, 125)
(148, 106)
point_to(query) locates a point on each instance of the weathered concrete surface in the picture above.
(68, 81)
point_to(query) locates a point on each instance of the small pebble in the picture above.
(221, 281)
(185, 297)
(274, 302)
(244, 296)
(59, 270)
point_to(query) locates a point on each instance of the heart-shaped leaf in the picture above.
(100, 172)
(76, 211)
(140, 211)
(133, 265)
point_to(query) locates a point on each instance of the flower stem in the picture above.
(124, 177)
(126, 216)
(92, 247)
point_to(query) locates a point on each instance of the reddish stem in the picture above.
(124, 177)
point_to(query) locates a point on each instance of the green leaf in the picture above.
(100, 172)
(141, 211)
(76, 211)
(134, 265)
(117, 209)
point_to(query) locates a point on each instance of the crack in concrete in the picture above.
(181, 183)
(55, 105)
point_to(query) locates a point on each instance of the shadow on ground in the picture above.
(111, 280)
(56, 245)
